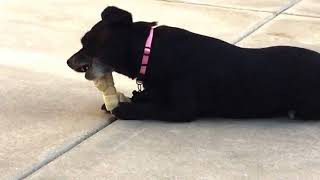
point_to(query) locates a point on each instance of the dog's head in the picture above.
(105, 48)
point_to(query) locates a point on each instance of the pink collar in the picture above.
(146, 54)
(145, 58)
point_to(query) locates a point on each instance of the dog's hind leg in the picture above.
(308, 115)
(309, 112)
(309, 107)
(308, 89)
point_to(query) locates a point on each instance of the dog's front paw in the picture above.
(124, 111)
(140, 96)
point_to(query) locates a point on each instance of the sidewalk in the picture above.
(51, 126)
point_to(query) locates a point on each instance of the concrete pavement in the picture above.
(51, 126)
(205, 149)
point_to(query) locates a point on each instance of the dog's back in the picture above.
(239, 82)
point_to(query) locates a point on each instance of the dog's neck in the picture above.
(140, 32)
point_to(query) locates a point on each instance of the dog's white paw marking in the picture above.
(292, 114)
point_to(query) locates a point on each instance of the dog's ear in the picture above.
(114, 15)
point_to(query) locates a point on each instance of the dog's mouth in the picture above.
(82, 69)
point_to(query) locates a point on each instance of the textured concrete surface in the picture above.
(46, 109)
(287, 30)
(206, 149)
(261, 5)
(41, 115)
(50, 27)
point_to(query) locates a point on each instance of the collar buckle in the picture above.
(140, 85)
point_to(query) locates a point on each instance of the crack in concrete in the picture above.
(266, 20)
(62, 150)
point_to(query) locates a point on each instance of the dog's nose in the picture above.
(69, 63)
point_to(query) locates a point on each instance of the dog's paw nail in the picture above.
(103, 108)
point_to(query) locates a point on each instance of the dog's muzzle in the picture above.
(79, 62)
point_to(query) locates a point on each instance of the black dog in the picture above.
(190, 75)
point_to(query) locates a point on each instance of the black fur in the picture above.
(191, 75)
(112, 15)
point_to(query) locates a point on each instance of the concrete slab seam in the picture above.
(62, 150)
(265, 21)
